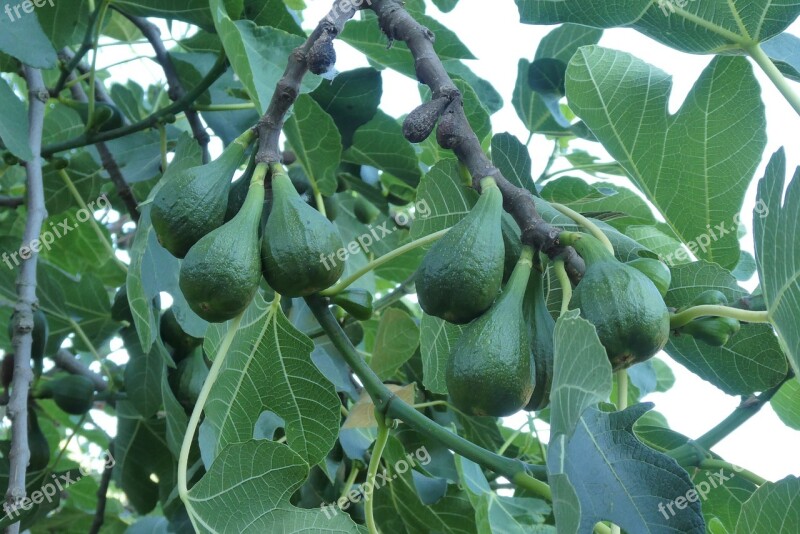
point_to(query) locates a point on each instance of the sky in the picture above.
(764, 444)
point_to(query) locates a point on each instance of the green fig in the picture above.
(356, 302)
(489, 371)
(461, 274)
(192, 202)
(220, 274)
(624, 305)
(300, 245)
(541, 327)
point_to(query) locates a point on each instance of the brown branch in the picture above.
(288, 88)
(102, 493)
(11, 202)
(176, 90)
(67, 361)
(454, 132)
(109, 163)
(101, 94)
(27, 302)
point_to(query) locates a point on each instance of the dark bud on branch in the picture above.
(420, 123)
(452, 129)
(322, 56)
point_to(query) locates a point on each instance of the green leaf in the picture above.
(367, 37)
(380, 143)
(140, 451)
(144, 374)
(500, 513)
(711, 26)
(581, 372)
(317, 143)
(437, 338)
(513, 159)
(273, 13)
(708, 151)
(191, 11)
(86, 176)
(258, 54)
(268, 351)
(395, 342)
(777, 255)
(22, 37)
(751, 361)
(559, 44)
(64, 22)
(786, 404)
(352, 99)
(773, 509)
(260, 477)
(618, 206)
(14, 123)
(722, 499)
(617, 478)
(398, 507)
(784, 50)
(448, 198)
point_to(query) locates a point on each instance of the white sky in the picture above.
(494, 35)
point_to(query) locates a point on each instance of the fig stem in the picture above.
(566, 285)
(714, 310)
(386, 258)
(372, 472)
(591, 227)
(194, 420)
(389, 404)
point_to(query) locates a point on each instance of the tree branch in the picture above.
(455, 133)
(153, 120)
(11, 202)
(176, 90)
(19, 454)
(387, 403)
(109, 163)
(76, 58)
(67, 361)
(102, 494)
(288, 88)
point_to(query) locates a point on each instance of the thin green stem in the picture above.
(92, 221)
(713, 465)
(388, 403)
(194, 420)
(591, 227)
(622, 389)
(550, 161)
(781, 83)
(566, 285)
(93, 71)
(372, 472)
(535, 486)
(86, 45)
(351, 479)
(224, 107)
(712, 310)
(162, 130)
(386, 258)
(176, 107)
